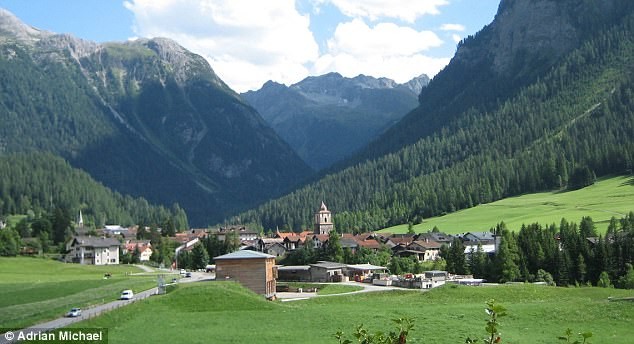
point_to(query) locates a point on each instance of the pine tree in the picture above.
(507, 258)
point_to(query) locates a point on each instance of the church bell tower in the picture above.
(323, 220)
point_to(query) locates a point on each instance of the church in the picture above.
(323, 220)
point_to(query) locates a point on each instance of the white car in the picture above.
(127, 295)
(74, 312)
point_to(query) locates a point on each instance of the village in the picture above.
(256, 262)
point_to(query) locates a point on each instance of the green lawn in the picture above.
(225, 312)
(34, 290)
(608, 197)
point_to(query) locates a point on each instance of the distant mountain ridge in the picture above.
(537, 100)
(145, 117)
(327, 118)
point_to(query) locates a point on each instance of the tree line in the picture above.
(564, 254)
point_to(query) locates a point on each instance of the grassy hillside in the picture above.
(35, 290)
(606, 198)
(224, 312)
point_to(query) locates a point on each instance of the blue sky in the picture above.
(248, 42)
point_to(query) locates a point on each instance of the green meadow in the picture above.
(34, 290)
(225, 312)
(606, 198)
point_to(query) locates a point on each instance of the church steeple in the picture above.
(80, 220)
(323, 220)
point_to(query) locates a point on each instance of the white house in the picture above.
(92, 250)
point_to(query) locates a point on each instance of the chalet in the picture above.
(275, 249)
(439, 237)
(486, 240)
(242, 232)
(144, 246)
(430, 248)
(263, 244)
(254, 270)
(348, 241)
(478, 237)
(320, 240)
(92, 250)
(292, 240)
(369, 243)
(399, 239)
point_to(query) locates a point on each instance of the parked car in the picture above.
(74, 312)
(183, 272)
(188, 274)
(127, 295)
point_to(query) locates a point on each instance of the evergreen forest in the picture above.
(556, 130)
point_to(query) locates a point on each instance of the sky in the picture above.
(248, 42)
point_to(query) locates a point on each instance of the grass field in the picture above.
(323, 289)
(608, 197)
(33, 290)
(225, 312)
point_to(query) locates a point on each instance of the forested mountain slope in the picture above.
(146, 118)
(329, 117)
(564, 118)
(41, 182)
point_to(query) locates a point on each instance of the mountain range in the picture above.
(539, 99)
(329, 117)
(145, 118)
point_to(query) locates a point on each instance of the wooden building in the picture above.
(254, 270)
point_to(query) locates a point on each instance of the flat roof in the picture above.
(328, 265)
(244, 254)
(366, 267)
(293, 267)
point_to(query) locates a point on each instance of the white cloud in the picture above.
(384, 50)
(456, 38)
(407, 10)
(250, 42)
(452, 27)
(247, 42)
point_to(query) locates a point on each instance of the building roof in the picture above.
(490, 248)
(366, 267)
(293, 268)
(328, 265)
(321, 237)
(372, 244)
(244, 254)
(266, 241)
(114, 228)
(92, 241)
(478, 236)
(427, 243)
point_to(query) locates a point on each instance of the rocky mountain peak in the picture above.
(12, 28)
(416, 84)
(541, 29)
(536, 25)
(77, 47)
